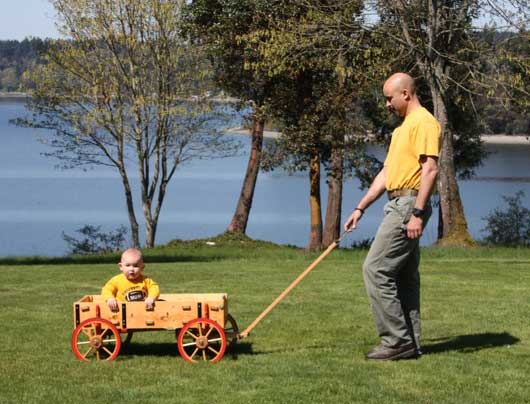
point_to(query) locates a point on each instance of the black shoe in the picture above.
(385, 353)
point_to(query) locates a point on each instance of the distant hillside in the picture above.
(18, 56)
(15, 58)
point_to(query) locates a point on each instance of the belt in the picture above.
(401, 192)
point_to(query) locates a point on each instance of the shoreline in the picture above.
(13, 95)
(506, 139)
(487, 139)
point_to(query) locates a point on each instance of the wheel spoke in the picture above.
(189, 344)
(213, 350)
(188, 331)
(209, 331)
(104, 332)
(106, 350)
(215, 340)
(88, 331)
(194, 353)
(204, 354)
(109, 341)
(97, 354)
(87, 352)
(82, 342)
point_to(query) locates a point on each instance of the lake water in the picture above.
(38, 202)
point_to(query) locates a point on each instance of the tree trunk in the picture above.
(130, 209)
(453, 226)
(240, 219)
(151, 221)
(336, 166)
(334, 203)
(150, 233)
(315, 235)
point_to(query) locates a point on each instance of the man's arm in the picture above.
(377, 188)
(429, 172)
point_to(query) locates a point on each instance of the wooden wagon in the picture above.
(201, 322)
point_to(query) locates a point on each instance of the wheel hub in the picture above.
(96, 342)
(202, 342)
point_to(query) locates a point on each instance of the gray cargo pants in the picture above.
(392, 278)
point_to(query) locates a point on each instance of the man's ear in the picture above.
(406, 94)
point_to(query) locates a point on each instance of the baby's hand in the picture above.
(149, 303)
(113, 304)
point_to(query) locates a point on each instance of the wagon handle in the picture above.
(282, 295)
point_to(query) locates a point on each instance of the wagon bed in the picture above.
(199, 320)
(171, 312)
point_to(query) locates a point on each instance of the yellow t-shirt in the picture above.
(418, 135)
(126, 291)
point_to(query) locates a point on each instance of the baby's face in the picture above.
(132, 266)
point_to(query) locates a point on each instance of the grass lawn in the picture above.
(310, 349)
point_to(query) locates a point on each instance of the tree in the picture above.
(8, 79)
(126, 91)
(323, 130)
(510, 227)
(15, 58)
(511, 59)
(434, 32)
(439, 38)
(95, 241)
(319, 50)
(219, 24)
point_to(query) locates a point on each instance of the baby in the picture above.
(130, 285)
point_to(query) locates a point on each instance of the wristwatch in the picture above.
(418, 212)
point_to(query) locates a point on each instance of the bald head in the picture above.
(132, 253)
(400, 82)
(400, 94)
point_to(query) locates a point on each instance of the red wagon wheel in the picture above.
(231, 331)
(96, 338)
(202, 339)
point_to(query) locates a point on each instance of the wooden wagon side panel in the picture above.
(172, 311)
(166, 315)
(84, 308)
(211, 305)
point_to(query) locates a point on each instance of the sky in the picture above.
(24, 18)
(36, 18)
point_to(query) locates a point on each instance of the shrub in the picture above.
(95, 241)
(363, 244)
(510, 227)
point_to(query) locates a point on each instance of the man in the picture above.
(390, 270)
